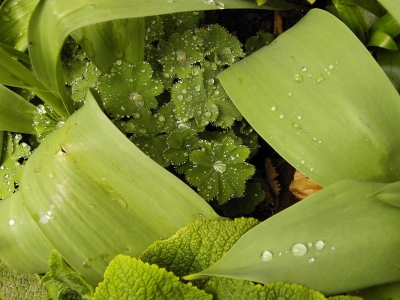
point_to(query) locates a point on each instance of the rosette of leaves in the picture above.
(129, 88)
(219, 170)
(147, 130)
(219, 46)
(12, 152)
(202, 97)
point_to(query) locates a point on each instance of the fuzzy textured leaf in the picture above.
(198, 245)
(129, 278)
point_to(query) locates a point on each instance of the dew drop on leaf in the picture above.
(299, 249)
(319, 245)
(266, 256)
(219, 166)
(298, 78)
(11, 222)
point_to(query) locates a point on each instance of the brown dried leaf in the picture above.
(271, 176)
(302, 186)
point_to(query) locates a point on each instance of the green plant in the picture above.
(58, 191)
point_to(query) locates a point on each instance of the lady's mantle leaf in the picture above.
(129, 278)
(20, 286)
(198, 245)
(219, 170)
(180, 54)
(12, 152)
(221, 48)
(62, 280)
(202, 97)
(180, 144)
(228, 288)
(148, 134)
(129, 88)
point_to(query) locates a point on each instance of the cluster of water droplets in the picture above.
(218, 4)
(7, 10)
(299, 250)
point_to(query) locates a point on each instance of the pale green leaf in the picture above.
(317, 243)
(85, 190)
(392, 7)
(130, 278)
(318, 108)
(17, 113)
(14, 21)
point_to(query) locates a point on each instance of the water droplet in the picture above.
(6, 18)
(309, 245)
(179, 97)
(319, 79)
(11, 222)
(297, 78)
(210, 81)
(290, 94)
(311, 260)
(311, 169)
(299, 249)
(91, 206)
(137, 98)
(51, 175)
(303, 161)
(331, 67)
(299, 117)
(280, 253)
(219, 166)
(304, 69)
(87, 263)
(333, 248)
(197, 87)
(118, 62)
(220, 5)
(207, 114)
(281, 117)
(273, 108)
(161, 118)
(296, 125)
(1, 168)
(319, 245)
(266, 256)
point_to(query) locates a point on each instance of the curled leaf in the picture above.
(302, 186)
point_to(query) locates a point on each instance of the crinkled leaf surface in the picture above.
(180, 144)
(198, 245)
(129, 88)
(319, 101)
(20, 286)
(317, 242)
(130, 278)
(92, 204)
(228, 288)
(62, 279)
(219, 170)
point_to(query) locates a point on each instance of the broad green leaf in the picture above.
(17, 113)
(62, 280)
(197, 245)
(219, 170)
(106, 42)
(388, 25)
(381, 39)
(228, 288)
(392, 7)
(255, 43)
(14, 22)
(317, 243)
(130, 278)
(53, 21)
(16, 53)
(13, 73)
(318, 108)
(20, 286)
(21, 238)
(13, 154)
(87, 189)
